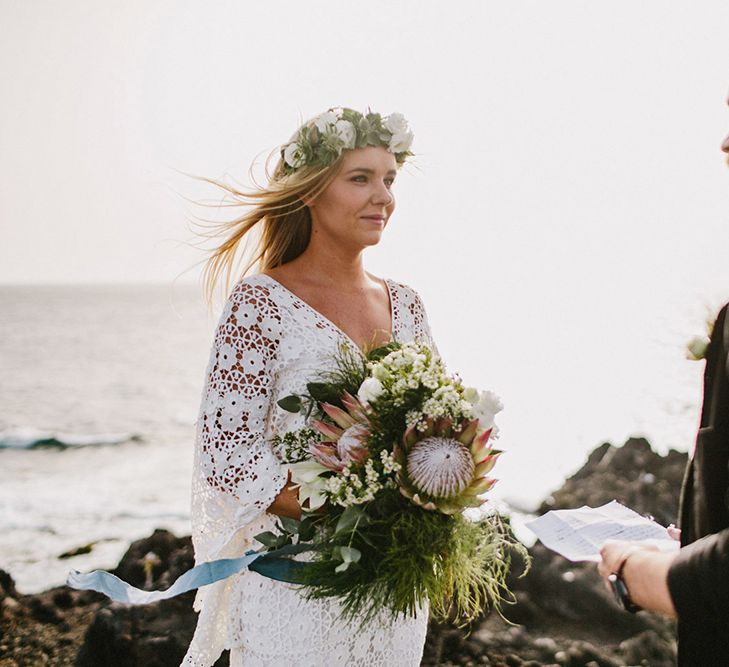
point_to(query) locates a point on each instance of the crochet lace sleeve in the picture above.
(410, 321)
(234, 462)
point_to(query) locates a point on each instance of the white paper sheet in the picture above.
(578, 534)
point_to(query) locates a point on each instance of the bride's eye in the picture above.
(359, 178)
(389, 182)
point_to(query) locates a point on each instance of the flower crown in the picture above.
(338, 130)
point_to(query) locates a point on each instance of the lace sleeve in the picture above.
(422, 323)
(236, 470)
(410, 321)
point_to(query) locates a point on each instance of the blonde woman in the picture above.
(330, 197)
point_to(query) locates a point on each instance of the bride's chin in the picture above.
(373, 239)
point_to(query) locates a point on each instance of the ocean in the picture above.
(98, 400)
(99, 395)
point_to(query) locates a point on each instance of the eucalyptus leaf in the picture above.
(350, 554)
(290, 403)
(290, 525)
(306, 529)
(323, 392)
(268, 539)
(349, 519)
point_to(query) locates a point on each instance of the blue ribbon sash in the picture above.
(273, 564)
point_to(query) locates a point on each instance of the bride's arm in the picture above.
(235, 464)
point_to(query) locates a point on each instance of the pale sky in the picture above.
(565, 220)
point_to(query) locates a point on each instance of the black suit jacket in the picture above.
(699, 577)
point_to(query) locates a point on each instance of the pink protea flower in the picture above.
(345, 441)
(443, 468)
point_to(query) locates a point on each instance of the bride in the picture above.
(329, 198)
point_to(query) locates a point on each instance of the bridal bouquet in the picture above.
(396, 450)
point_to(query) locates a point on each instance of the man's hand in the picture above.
(645, 573)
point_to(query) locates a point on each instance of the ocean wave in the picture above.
(28, 438)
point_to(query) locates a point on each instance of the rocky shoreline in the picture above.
(562, 614)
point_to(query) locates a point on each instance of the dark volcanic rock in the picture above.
(563, 613)
(156, 635)
(7, 586)
(633, 474)
(156, 561)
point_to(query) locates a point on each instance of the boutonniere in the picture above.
(697, 345)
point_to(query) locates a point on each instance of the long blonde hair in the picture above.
(284, 229)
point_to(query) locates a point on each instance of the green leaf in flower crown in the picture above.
(374, 119)
(290, 403)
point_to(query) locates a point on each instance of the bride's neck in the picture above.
(333, 266)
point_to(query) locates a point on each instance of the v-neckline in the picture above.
(329, 322)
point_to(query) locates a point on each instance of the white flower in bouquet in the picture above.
(486, 408)
(370, 390)
(379, 371)
(312, 487)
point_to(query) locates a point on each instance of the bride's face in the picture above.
(357, 204)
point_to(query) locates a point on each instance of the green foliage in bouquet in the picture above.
(407, 556)
(380, 542)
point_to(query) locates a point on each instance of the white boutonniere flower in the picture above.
(697, 345)
(696, 348)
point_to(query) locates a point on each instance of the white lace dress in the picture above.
(269, 344)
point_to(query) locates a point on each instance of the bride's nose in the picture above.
(382, 196)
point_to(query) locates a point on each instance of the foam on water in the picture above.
(31, 438)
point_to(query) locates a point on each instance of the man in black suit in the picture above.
(692, 584)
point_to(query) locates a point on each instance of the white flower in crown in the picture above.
(400, 142)
(325, 120)
(346, 132)
(294, 156)
(396, 123)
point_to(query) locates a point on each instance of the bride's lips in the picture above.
(374, 218)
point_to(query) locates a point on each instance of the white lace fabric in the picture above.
(269, 344)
